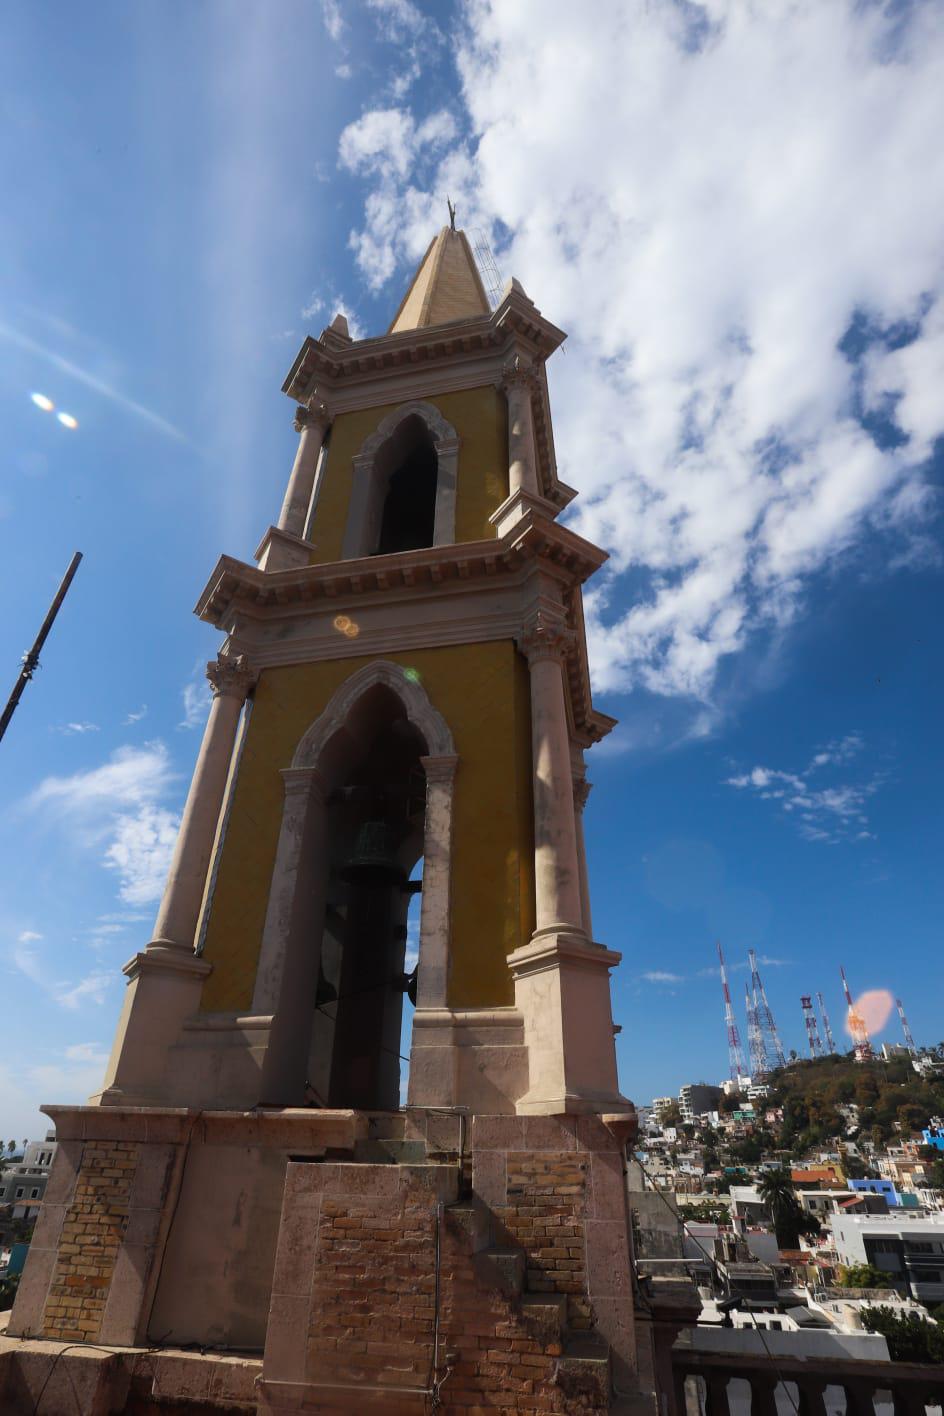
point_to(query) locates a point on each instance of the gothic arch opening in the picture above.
(408, 468)
(374, 820)
(403, 494)
(333, 971)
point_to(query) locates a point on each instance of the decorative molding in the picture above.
(440, 430)
(440, 769)
(230, 676)
(312, 414)
(582, 790)
(546, 637)
(421, 713)
(520, 373)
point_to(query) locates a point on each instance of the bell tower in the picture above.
(410, 646)
(394, 755)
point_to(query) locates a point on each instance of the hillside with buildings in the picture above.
(808, 1203)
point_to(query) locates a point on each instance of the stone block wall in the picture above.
(92, 1230)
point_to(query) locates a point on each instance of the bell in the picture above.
(373, 861)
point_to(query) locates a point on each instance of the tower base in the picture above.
(355, 1261)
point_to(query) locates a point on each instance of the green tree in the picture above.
(909, 1338)
(863, 1276)
(671, 1115)
(790, 1221)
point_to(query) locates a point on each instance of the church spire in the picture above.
(446, 287)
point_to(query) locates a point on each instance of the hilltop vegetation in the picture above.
(811, 1094)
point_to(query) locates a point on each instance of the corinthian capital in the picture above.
(582, 789)
(313, 414)
(545, 637)
(519, 372)
(230, 676)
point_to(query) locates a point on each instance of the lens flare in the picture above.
(67, 420)
(346, 626)
(412, 675)
(41, 401)
(873, 1007)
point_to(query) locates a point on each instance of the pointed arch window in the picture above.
(403, 495)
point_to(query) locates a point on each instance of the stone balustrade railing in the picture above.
(702, 1384)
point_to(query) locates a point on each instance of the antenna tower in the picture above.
(773, 1047)
(491, 276)
(755, 1042)
(812, 1031)
(735, 1056)
(826, 1028)
(861, 1043)
(905, 1028)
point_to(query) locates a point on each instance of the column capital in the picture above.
(230, 676)
(313, 414)
(582, 789)
(440, 769)
(545, 637)
(303, 782)
(519, 372)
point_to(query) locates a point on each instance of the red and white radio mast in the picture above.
(861, 1042)
(735, 1056)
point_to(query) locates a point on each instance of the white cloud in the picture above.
(344, 71)
(327, 306)
(116, 808)
(822, 813)
(135, 717)
(709, 234)
(661, 976)
(141, 851)
(399, 17)
(32, 963)
(333, 19)
(197, 697)
(74, 729)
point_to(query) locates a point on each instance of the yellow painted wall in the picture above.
(482, 692)
(480, 418)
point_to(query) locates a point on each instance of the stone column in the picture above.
(556, 864)
(311, 423)
(177, 918)
(582, 789)
(435, 905)
(519, 378)
(166, 979)
(562, 986)
(290, 956)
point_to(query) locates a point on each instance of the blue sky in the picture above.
(738, 219)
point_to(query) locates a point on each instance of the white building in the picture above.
(909, 1250)
(23, 1184)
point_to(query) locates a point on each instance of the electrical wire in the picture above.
(713, 1263)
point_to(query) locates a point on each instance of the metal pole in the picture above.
(31, 660)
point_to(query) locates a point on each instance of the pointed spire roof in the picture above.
(446, 287)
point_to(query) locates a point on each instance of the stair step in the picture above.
(503, 1269)
(471, 1220)
(547, 1313)
(584, 1369)
(387, 1151)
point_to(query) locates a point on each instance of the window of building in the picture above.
(34, 1193)
(20, 1191)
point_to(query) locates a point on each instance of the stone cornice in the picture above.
(237, 591)
(419, 363)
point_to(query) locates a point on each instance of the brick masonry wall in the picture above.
(544, 1215)
(92, 1232)
(353, 1300)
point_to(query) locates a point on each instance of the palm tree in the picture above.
(776, 1191)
